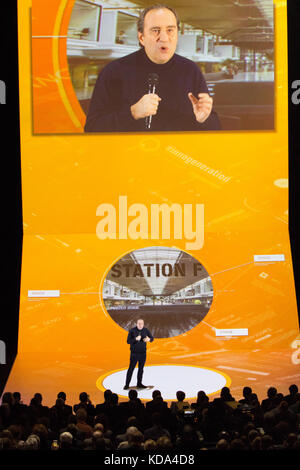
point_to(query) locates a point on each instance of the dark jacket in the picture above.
(138, 346)
(124, 81)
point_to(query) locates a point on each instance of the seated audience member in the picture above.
(180, 405)
(58, 415)
(269, 403)
(68, 408)
(132, 422)
(216, 426)
(66, 441)
(18, 407)
(105, 406)
(292, 397)
(97, 434)
(156, 431)
(81, 424)
(222, 444)
(202, 401)
(247, 393)
(157, 404)
(295, 407)
(188, 439)
(133, 407)
(227, 398)
(136, 441)
(85, 403)
(164, 444)
(150, 445)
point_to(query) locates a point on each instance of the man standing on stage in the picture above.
(138, 337)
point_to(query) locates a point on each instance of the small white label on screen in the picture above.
(232, 332)
(260, 258)
(43, 293)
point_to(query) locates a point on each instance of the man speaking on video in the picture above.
(153, 88)
(138, 337)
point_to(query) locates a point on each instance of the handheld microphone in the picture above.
(153, 80)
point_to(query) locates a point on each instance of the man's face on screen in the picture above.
(140, 324)
(160, 35)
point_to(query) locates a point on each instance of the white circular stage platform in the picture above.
(168, 379)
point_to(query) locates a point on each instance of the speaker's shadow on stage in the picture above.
(149, 387)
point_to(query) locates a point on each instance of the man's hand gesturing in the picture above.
(146, 106)
(202, 105)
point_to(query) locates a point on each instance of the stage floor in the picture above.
(205, 370)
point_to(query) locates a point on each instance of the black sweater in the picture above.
(138, 346)
(123, 82)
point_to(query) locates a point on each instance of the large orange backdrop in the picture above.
(66, 175)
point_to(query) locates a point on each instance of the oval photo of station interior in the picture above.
(166, 287)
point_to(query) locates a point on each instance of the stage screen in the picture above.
(185, 228)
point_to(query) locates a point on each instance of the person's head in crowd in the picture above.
(224, 435)
(281, 431)
(132, 395)
(252, 434)
(180, 395)
(156, 394)
(256, 443)
(40, 430)
(163, 443)
(83, 397)
(283, 406)
(5, 443)
(247, 391)
(72, 429)
(130, 430)
(38, 398)
(202, 397)
(17, 397)
(66, 440)
(107, 395)
(62, 395)
(188, 431)
(278, 399)
(8, 398)
(16, 431)
(99, 443)
(237, 444)
(254, 399)
(271, 392)
(102, 418)
(87, 443)
(114, 398)
(32, 442)
(290, 440)
(225, 394)
(136, 439)
(222, 444)
(248, 427)
(59, 403)
(267, 442)
(96, 435)
(150, 444)
(132, 421)
(293, 389)
(81, 415)
(99, 427)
